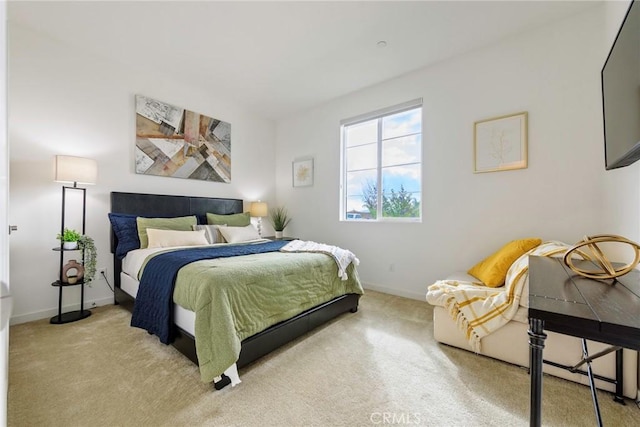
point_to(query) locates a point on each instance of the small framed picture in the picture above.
(302, 172)
(500, 143)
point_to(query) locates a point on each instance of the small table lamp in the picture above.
(258, 209)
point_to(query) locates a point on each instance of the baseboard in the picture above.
(394, 291)
(44, 314)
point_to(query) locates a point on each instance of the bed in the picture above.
(184, 320)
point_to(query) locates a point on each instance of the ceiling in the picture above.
(279, 58)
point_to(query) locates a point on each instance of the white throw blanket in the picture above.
(342, 257)
(479, 310)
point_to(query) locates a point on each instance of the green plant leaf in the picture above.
(279, 218)
(69, 235)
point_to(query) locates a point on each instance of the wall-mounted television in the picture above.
(621, 94)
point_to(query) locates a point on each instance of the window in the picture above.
(382, 165)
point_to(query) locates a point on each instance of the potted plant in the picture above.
(87, 245)
(279, 219)
(69, 238)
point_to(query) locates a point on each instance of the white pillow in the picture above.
(211, 232)
(168, 238)
(239, 234)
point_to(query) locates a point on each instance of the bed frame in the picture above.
(254, 347)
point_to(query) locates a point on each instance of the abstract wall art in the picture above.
(175, 142)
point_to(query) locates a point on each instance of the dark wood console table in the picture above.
(565, 302)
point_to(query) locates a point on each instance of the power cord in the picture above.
(106, 280)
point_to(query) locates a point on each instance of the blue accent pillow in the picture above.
(125, 228)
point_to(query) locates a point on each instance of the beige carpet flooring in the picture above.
(379, 366)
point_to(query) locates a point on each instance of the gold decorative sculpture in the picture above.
(606, 269)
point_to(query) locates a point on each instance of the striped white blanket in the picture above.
(479, 310)
(342, 257)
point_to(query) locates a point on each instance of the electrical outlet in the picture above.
(102, 272)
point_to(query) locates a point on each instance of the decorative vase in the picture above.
(70, 245)
(278, 234)
(79, 274)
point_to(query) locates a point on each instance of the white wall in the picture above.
(552, 72)
(66, 101)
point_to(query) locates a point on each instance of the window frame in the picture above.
(378, 115)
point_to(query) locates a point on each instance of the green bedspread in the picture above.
(235, 298)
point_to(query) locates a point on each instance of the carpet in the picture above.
(379, 366)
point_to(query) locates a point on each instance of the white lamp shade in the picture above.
(258, 209)
(76, 169)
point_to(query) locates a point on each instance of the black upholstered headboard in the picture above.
(165, 206)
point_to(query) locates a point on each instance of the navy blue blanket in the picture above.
(153, 309)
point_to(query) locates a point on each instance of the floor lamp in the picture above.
(76, 170)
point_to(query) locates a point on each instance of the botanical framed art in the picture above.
(302, 170)
(500, 143)
(175, 142)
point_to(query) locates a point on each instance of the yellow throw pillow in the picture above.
(493, 270)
